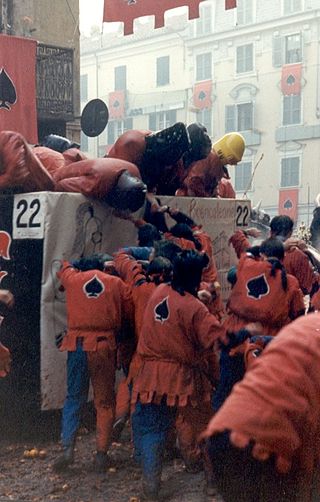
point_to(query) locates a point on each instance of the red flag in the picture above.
(128, 10)
(230, 4)
(117, 102)
(291, 79)
(288, 203)
(18, 111)
(202, 94)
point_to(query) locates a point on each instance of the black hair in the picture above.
(187, 270)
(147, 234)
(281, 225)
(161, 269)
(185, 231)
(93, 262)
(273, 249)
(196, 133)
(166, 249)
(232, 276)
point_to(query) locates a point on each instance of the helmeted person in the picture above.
(202, 176)
(177, 332)
(99, 311)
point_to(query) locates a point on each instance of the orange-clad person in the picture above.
(296, 262)
(177, 331)
(263, 291)
(99, 311)
(202, 176)
(265, 440)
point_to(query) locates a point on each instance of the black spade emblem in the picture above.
(8, 95)
(258, 287)
(116, 104)
(162, 311)
(291, 80)
(288, 204)
(202, 95)
(93, 288)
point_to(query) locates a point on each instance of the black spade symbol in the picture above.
(116, 104)
(257, 287)
(162, 311)
(291, 80)
(7, 90)
(93, 288)
(131, 2)
(288, 204)
(202, 95)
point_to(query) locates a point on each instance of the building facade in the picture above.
(55, 26)
(254, 69)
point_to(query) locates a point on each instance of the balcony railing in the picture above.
(54, 82)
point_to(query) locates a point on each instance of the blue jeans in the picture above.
(77, 394)
(150, 426)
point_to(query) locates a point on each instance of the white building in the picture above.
(260, 64)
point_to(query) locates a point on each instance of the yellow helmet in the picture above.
(230, 148)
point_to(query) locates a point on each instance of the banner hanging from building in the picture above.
(117, 104)
(288, 203)
(291, 79)
(18, 111)
(202, 94)
(230, 4)
(126, 11)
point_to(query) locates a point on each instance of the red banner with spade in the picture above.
(202, 94)
(18, 110)
(288, 203)
(291, 79)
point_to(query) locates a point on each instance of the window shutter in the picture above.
(277, 51)
(153, 122)
(230, 118)
(111, 133)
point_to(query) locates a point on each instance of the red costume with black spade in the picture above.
(257, 296)
(98, 309)
(177, 333)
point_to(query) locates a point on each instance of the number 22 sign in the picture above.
(28, 216)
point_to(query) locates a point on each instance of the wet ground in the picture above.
(23, 478)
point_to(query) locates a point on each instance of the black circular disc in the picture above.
(94, 118)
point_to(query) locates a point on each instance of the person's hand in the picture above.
(7, 298)
(252, 232)
(204, 296)
(254, 328)
(293, 242)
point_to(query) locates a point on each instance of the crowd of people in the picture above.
(155, 311)
(233, 387)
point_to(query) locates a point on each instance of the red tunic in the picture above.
(98, 305)
(225, 189)
(176, 334)
(297, 263)
(259, 297)
(200, 176)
